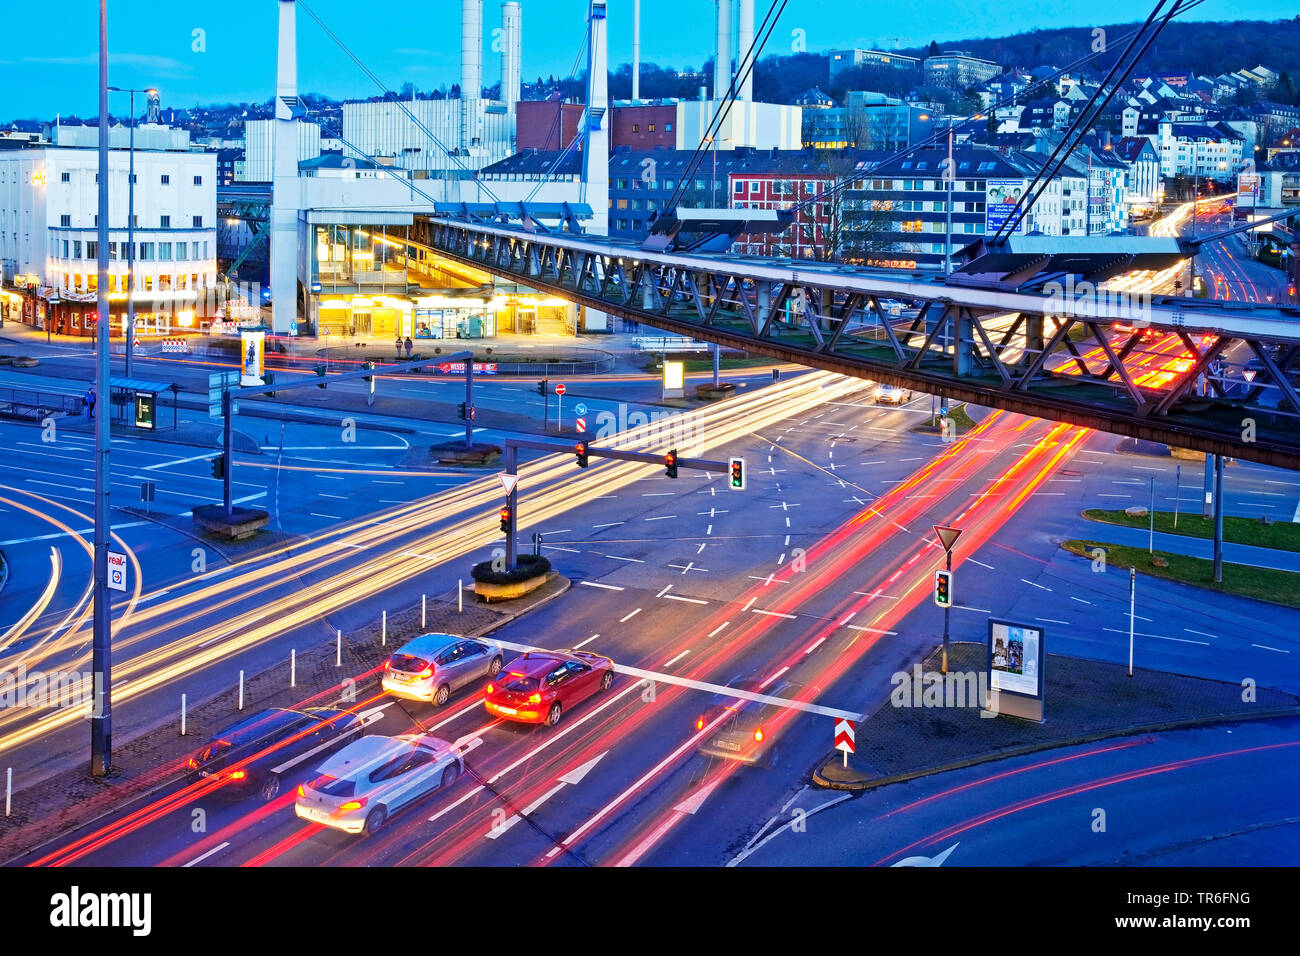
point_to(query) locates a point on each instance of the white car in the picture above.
(892, 395)
(430, 667)
(360, 786)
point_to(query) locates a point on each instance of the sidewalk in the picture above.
(1247, 554)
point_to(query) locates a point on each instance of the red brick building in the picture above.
(643, 126)
(546, 124)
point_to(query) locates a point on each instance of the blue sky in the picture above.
(205, 51)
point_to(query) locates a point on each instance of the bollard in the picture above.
(9, 787)
(293, 667)
(460, 596)
(383, 629)
(424, 610)
(338, 647)
(241, 690)
(182, 715)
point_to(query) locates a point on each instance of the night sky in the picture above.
(208, 52)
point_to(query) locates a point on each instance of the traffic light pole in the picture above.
(512, 466)
(943, 668)
(227, 449)
(469, 402)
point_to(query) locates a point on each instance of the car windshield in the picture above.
(408, 662)
(333, 786)
(214, 750)
(523, 685)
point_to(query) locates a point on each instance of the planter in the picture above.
(455, 453)
(489, 592)
(708, 393)
(242, 523)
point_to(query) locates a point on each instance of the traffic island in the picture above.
(962, 422)
(241, 523)
(708, 392)
(929, 723)
(492, 584)
(457, 453)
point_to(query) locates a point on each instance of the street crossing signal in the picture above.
(943, 588)
(219, 466)
(320, 370)
(670, 461)
(541, 387)
(737, 479)
(462, 411)
(505, 519)
(580, 449)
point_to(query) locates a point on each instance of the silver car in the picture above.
(373, 777)
(430, 667)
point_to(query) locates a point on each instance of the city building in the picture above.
(643, 125)
(1142, 181)
(547, 124)
(956, 70)
(49, 202)
(841, 60)
(1199, 150)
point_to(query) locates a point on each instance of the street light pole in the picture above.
(101, 737)
(130, 230)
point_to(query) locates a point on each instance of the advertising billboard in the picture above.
(252, 347)
(1016, 658)
(1001, 197)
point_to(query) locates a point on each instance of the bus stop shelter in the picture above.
(134, 401)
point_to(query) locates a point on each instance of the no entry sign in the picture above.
(559, 389)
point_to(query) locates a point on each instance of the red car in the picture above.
(538, 687)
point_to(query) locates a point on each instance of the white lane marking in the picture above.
(586, 642)
(623, 620)
(1191, 630)
(977, 610)
(863, 627)
(1050, 620)
(617, 557)
(816, 644)
(748, 851)
(1027, 581)
(674, 597)
(64, 534)
(714, 632)
(1081, 600)
(597, 584)
(1181, 640)
(608, 524)
(981, 564)
(200, 859)
(677, 658)
(168, 464)
(667, 588)
(1265, 647)
(759, 610)
(773, 677)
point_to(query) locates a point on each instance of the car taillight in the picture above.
(490, 688)
(699, 724)
(354, 804)
(758, 734)
(387, 664)
(237, 775)
(302, 790)
(427, 672)
(535, 699)
(194, 764)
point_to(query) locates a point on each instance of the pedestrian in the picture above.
(409, 345)
(398, 346)
(89, 402)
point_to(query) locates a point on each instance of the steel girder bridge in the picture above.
(995, 334)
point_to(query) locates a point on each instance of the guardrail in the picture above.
(27, 403)
(668, 343)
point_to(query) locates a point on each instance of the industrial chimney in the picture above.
(722, 59)
(511, 53)
(471, 69)
(745, 39)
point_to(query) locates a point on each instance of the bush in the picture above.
(526, 566)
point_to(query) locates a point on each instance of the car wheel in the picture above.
(375, 821)
(495, 667)
(441, 696)
(607, 680)
(450, 775)
(553, 715)
(270, 788)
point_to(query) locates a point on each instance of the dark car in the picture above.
(743, 732)
(254, 754)
(539, 686)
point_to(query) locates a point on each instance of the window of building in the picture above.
(198, 180)
(182, 251)
(146, 252)
(198, 222)
(622, 184)
(668, 184)
(92, 249)
(205, 249)
(668, 127)
(636, 127)
(148, 283)
(166, 179)
(65, 220)
(650, 127)
(622, 204)
(740, 187)
(65, 177)
(699, 184)
(164, 250)
(754, 186)
(165, 222)
(76, 248)
(913, 225)
(65, 248)
(112, 251)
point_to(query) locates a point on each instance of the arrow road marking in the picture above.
(926, 860)
(574, 776)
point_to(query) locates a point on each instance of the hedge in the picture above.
(526, 566)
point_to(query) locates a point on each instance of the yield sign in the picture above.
(947, 535)
(844, 738)
(508, 482)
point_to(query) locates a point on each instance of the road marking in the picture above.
(773, 677)
(1181, 640)
(1265, 647)
(64, 534)
(1027, 581)
(168, 464)
(608, 524)
(200, 859)
(317, 514)
(667, 588)
(816, 644)
(597, 584)
(1081, 600)
(620, 558)
(759, 610)
(1050, 620)
(674, 597)
(977, 610)
(586, 642)
(714, 632)
(981, 563)
(873, 630)
(677, 658)
(1190, 630)
(623, 620)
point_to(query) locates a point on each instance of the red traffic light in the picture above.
(505, 519)
(580, 449)
(670, 463)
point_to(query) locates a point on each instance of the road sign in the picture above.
(148, 491)
(844, 736)
(582, 425)
(580, 408)
(116, 571)
(508, 482)
(947, 535)
(559, 389)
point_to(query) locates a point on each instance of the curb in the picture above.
(873, 783)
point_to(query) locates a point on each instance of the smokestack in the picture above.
(636, 50)
(744, 39)
(722, 59)
(471, 68)
(285, 194)
(511, 53)
(595, 151)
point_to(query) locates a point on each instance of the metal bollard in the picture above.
(424, 611)
(9, 788)
(182, 715)
(293, 667)
(241, 690)
(338, 647)
(460, 596)
(383, 629)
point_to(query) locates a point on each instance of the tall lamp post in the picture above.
(130, 230)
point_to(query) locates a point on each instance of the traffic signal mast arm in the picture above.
(564, 447)
(364, 373)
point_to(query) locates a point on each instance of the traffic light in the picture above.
(369, 378)
(670, 460)
(219, 466)
(505, 520)
(737, 479)
(541, 388)
(320, 370)
(462, 411)
(943, 588)
(580, 449)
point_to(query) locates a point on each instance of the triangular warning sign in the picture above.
(508, 482)
(947, 535)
